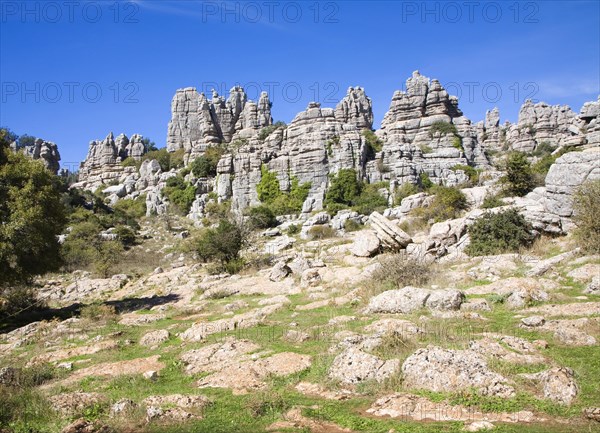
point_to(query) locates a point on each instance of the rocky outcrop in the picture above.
(102, 165)
(45, 151)
(412, 146)
(446, 370)
(388, 232)
(197, 122)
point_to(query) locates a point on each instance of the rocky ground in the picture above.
(310, 341)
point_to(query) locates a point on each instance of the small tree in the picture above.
(496, 233)
(344, 188)
(268, 187)
(206, 165)
(222, 243)
(519, 178)
(31, 216)
(587, 216)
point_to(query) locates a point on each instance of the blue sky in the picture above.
(72, 72)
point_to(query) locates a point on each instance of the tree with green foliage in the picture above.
(31, 216)
(374, 143)
(344, 188)
(268, 187)
(181, 193)
(519, 178)
(222, 243)
(261, 217)
(496, 233)
(206, 165)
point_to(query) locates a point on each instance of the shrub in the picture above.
(320, 232)
(216, 211)
(126, 235)
(370, 199)
(261, 217)
(496, 233)
(425, 148)
(425, 182)
(281, 202)
(133, 208)
(31, 216)
(293, 229)
(447, 204)
(443, 128)
(374, 143)
(206, 165)
(469, 171)
(402, 270)
(492, 201)
(130, 162)
(222, 244)
(268, 130)
(97, 312)
(405, 190)
(519, 179)
(352, 225)
(167, 160)
(181, 193)
(344, 188)
(586, 206)
(268, 187)
(108, 254)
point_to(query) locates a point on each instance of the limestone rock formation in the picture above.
(412, 146)
(388, 232)
(197, 122)
(45, 151)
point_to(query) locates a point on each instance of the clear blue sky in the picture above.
(55, 56)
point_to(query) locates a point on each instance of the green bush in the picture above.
(374, 143)
(448, 203)
(519, 179)
(425, 182)
(370, 199)
(344, 188)
(131, 208)
(586, 206)
(293, 229)
(268, 187)
(222, 244)
(469, 171)
(261, 217)
(167, 160)
(443, 128)
(352, 226)
(492, 201)
(496, 233)
(31, 216)
(126, 235)
(268, 130)
(206, 165)
(107, 257)
(405, 190)
(281, 202)
(181, 193)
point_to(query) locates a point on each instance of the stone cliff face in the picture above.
(45, 151)
(556, 125)
(197, 122)
(103, 162)
(423, 132)
(413, 141)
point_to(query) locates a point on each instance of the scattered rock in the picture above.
(279, 271)
(574, 337)
(388, 232)
(593, 288)
(154, 338)
(445, 370)
(75, 402)
(592, 413)
(311, 278)
(445, 300)
(405, 300)
(353, 366)
(150, 375)
(533, 321)
(558, 385)
(81, 425)
(521, 298)
(366, 244)
(479, 426)
(122, 407)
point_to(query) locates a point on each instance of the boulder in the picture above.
(366, 244)
(354, 366)
(391, 236)
(445, 370)
(445, 299)
(405, 300)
